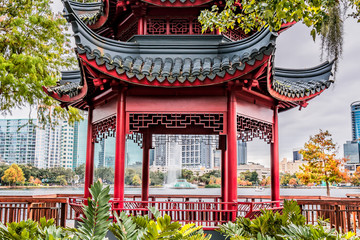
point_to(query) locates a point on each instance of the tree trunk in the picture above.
(328, 189)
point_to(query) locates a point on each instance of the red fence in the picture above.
(343, 213)
(16, 209)
(205, 213)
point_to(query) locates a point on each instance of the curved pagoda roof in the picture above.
(181, 61)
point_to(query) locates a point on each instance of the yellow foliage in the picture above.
(13, 174)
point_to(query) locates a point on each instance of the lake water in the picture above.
(335, 192)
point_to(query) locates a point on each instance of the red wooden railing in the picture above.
(19, 208)
(343, 213)
(208, 214)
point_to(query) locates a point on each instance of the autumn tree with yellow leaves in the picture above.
(13, 175)
(322, 164)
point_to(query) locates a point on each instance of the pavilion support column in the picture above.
(89, 167)
(141, 26)
(224, 168)
(145, 167)
(119, 179)
(275, 176)
(232, 150)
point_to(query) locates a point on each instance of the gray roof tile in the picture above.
(302, 82)
(70, 84)
(90, 12)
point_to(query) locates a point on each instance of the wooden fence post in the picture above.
(64, 207)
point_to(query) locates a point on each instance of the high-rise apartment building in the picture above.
(22, 143)
(67, 145)
(297, 156)
(17, 141)
(242, 153)
(352, 152)
(355, 120)
(47, 150)
(186, 151)
(81, 143)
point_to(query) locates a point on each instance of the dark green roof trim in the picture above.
(173, 57)
(89, 13)
(299, 83)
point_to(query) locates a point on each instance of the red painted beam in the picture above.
(105, 96)
(275, 174)
(119, 178)
(89, 167)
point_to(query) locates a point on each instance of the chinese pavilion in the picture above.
(146, 69)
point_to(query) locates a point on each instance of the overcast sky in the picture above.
(329, 111)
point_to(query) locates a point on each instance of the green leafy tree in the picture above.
(29, 170)
(33, 48)
(13, 175)
(186, 174)
(252, 177)
(129, 175)
(325, 18)
(157, 178)
(322, 165)
(105, 173)
(355, 178)
(80, 171)
(61, 180)
(3, 168)
(136, 181)
(285, 179)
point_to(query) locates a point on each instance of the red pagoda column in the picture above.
(145, 168)
(275, 177)
(119, 179)
(224, 168)
(232, 150)
(89, 167)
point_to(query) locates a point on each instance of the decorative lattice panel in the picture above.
(174, 26)
(156, 26)
(136, 137)
(196, 28)
(179, 26)
(138, 121)
(249, 128)
(104, 129)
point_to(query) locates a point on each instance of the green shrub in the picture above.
(273, 226)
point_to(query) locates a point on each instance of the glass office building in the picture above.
(355, 120)
(351, 152)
